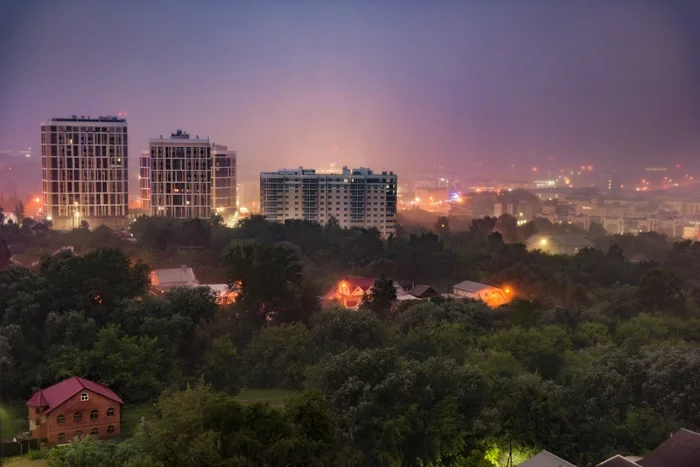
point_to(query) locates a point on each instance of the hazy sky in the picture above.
(410, 86)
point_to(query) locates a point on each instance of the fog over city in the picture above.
(486, 89)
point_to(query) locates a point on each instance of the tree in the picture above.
(661, 290)
(615, 253)
(222, 366)
(595, 230)
(5, 254)
(380, 297)
(507, 226)
(442, 226)
(268, 279)
(19, 212)
(278, 357)
(84, 451)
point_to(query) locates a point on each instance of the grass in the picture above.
(24, 462)
(13, 420)
(132, 414)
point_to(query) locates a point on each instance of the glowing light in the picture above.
(535, 169)
(49, 218)
(36, 200)
(543, 241)
(507, 290)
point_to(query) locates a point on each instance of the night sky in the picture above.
(469, 86)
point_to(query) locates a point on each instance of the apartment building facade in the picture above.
(84, 171)
(187, 178)
(354, 198)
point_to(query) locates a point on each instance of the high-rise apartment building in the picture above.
(84, 171)
(355, 198)
(187, 177)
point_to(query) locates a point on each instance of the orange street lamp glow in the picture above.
(507, 290)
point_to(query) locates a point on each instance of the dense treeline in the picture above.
(598, 355)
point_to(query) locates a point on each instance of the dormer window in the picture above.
(84, 396)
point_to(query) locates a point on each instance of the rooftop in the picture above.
(471, 287)
(83, 118)
(680, 450)
(546, 459)
(55, 395)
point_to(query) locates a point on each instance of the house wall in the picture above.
(50, 429)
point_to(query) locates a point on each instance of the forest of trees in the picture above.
(596, 356)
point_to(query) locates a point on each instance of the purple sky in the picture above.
(469, 86)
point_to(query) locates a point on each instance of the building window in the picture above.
(77, 416)
(77, 434)
(61, 437)
(84, 396)
(95, 432)
(110, 429)
(61, 419)
(94, 415)
(110, 412)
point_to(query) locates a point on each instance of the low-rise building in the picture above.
(75, 407)
(492, 296)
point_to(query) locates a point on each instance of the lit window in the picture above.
(84, 396)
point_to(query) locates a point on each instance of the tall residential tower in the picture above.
(84, 171)
(188, 178)
(355, 198)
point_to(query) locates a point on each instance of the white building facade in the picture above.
(355, 198)
(188, 177)
(84, 171)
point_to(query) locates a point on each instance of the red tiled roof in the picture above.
(55, 395)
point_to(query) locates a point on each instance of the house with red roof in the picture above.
(74, 407)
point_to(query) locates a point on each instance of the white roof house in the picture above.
(165, 279)
(546, 459)
(493, 296)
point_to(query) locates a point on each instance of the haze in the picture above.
(475, 88)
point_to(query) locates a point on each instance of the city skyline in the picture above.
(489, 90)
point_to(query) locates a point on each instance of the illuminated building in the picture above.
(84, 171)
(354, 198)
(189, 177)
(492, 296)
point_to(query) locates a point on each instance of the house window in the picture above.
(110, 429)
(61, 419)
(84, 396)
(77, 416)
(77, 434)
(95, 432)
(110, 412)
(94, 415)
(61, 437)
